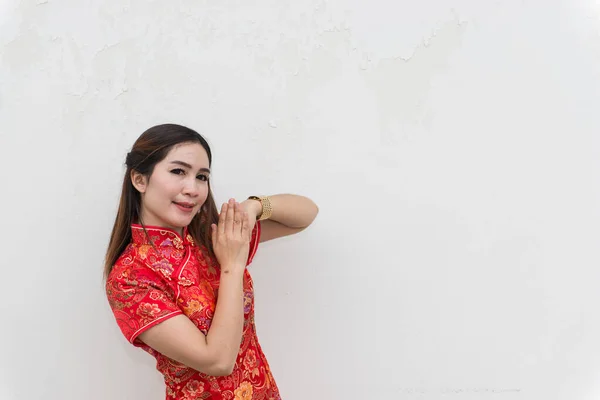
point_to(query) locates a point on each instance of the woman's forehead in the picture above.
(190, 153)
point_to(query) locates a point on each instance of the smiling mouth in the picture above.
(185, 205)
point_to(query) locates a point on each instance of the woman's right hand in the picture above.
(231, 237)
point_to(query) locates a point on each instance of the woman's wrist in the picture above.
(232, 269)
(253, 208)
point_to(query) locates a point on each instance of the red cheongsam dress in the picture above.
(163, 275)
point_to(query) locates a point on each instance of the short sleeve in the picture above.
(254, 240)
(139, 300)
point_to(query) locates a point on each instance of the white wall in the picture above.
(452, 147)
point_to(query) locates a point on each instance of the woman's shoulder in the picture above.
(146, 265)
(132, 267)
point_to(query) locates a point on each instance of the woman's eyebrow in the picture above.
(189, 166)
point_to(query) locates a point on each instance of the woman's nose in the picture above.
(191, 187)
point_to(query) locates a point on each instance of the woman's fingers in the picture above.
(233, 220)
(237, 219)
(232, 234)
(221, 225)
(229, 217)
(245, 226)
(244, 222)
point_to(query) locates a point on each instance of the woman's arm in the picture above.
(214, 354)
(291, 214)
(179, 339)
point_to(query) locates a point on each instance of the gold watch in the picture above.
(265, 202)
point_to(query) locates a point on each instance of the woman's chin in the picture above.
(180, 222)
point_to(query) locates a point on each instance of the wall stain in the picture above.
(402, 86)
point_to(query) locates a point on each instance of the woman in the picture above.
(176, 276)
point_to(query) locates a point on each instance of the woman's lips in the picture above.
(185, 207)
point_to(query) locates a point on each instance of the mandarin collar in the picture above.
(160, 237)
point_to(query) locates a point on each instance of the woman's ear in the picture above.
(139, 181)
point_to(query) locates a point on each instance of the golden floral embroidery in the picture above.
(250, 359)
(148, 311)
(190, 239)
(156, 295)
(192, 307)
(250, 363)
(177, 242)
(244, 392)
(143, 251)
(185, 282)
(193, 390)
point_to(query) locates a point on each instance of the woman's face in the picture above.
(177, 188)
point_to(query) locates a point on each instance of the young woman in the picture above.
(176, 276)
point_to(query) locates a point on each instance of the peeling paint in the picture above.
(401, 85)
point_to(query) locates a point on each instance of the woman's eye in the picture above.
(177, 171)
(202, 177)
